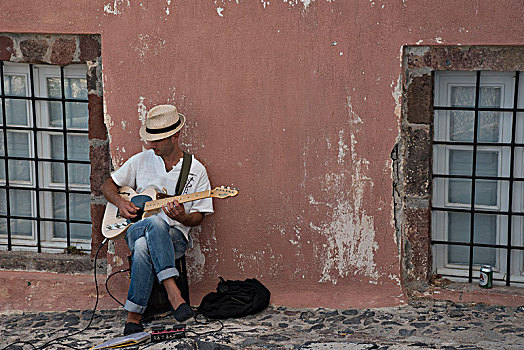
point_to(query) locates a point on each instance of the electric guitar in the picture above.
(149, 203)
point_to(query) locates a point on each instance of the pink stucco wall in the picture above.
(296, 103)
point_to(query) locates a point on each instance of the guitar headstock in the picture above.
(224, 192)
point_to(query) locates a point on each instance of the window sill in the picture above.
(462, 292)
(57, 263)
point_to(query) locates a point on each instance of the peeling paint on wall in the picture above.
(142, 109)
(265, 4)
(146, 44)
(342, 148)
(350, 234)
(116, 7)
(203, 244)
(397, 93)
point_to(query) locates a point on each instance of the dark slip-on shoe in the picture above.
(183, 313)
(131, 328)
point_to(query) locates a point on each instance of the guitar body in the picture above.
(115, 225)
(150, 202)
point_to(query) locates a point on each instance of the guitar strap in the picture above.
(182, 178)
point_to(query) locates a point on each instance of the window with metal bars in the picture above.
(478, 175)
(44, 158)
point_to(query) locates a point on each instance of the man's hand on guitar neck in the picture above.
(176, 211)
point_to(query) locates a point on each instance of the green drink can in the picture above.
(486, 277)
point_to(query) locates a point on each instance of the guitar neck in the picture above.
(159, 203)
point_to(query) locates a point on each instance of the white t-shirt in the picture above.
(146, 169)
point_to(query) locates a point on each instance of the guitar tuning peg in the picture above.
(221, 186)
(228, 187)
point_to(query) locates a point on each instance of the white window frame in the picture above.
(444, 81)
(48, 242)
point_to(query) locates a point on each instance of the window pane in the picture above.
(54, 88)
(518, 196)
(3, 211)
(3, 228)
(18, 146)
(76, 112)
(20, 205)
(59, 230)
(79, 174)
(77, 115)
(461, 122)
(81, 231)
(76, 88)
(461, 126)
(16, 112)
(2, 153)
(489, 97)
(57, 146)
(487, 163)
(19, 170)
(459, 255)
(77, 147)
(458, 227)
(459, 231)
(57, 173)
(15, 85)
(55, 114)
(459, 191)
(462, 96)
(520, 125)
(460, 162)
(80, 209)
(80, 206)
(489, 130)
(59, 200)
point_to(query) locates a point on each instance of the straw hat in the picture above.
(161, 121)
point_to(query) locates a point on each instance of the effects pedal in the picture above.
(160, 333)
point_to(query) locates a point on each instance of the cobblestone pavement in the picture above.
(421, 325)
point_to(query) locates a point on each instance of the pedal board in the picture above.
(160, 333)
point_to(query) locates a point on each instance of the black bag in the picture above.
(235, 299)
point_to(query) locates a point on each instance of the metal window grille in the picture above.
(511, 179)
(33, 129)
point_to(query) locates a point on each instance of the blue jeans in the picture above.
(154, 247)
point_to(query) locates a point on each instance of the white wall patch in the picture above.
(117, 7)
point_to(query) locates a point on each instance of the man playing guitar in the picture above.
(156, 241)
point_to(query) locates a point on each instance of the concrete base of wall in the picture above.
(46, 291)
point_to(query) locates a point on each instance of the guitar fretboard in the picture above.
(159, 203)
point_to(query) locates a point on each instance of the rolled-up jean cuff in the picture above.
(132, 307)
(167, 273)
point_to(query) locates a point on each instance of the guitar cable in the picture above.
(107, 287)
(74, 333)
